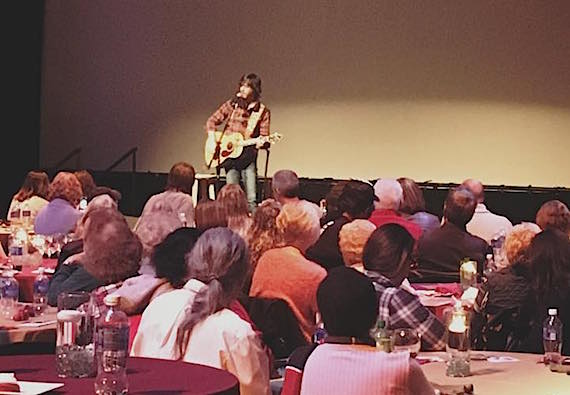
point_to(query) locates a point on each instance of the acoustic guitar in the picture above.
(231, 146)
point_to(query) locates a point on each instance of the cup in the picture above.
(407, 339)
(75, 351)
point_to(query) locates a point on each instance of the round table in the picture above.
(145, 375)
(526, 376)
(39, 329)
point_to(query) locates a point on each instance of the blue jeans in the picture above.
(249, 178)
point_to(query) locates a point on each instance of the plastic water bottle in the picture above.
(26, 216)
(9, 293)
(320, 333)
(41, 285)
(552, 338)
(18, 247)
(111, 350)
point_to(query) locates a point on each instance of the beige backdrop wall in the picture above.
(433, 90)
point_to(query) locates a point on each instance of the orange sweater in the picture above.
(286, 274)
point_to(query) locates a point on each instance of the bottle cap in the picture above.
(112, 300)
(552, 311)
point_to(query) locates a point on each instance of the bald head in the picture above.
(476, 188)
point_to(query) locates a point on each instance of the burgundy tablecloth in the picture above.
(26, 279)
(145, 375)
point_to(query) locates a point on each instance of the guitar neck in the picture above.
(251, 141)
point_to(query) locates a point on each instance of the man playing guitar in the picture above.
(244, 114)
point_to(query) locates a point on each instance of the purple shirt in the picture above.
(58, 217)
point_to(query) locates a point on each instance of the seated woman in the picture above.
(210, 214)
(348, 361)
(285, 273)
(413, 206)
(500, 298)
(194, 323)
(549, 260)
(351, 240)
(554, 215)
(387, 257)
(263, 234)
(60, 215)
(31, 197)
(111, 253)
(170, 272)
(234, 202)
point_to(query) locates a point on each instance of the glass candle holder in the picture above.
(468, 273)
(458, 342)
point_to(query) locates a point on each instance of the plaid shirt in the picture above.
(400, 309)
(238, 118)
(98, 297)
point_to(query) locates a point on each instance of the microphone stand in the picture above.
(217, 150)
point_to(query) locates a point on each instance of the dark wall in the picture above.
(21, 70)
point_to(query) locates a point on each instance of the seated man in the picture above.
(484, 223)
(356, 201)
(388, 256)
(441, 250)
(348, 362)
(390, 195)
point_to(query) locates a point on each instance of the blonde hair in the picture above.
(352, 238)
(299, 224)
(518, 240)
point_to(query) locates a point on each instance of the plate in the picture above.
(33, 388)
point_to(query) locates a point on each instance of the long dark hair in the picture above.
(549, 259)
(254, 82)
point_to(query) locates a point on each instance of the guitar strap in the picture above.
(254, 120)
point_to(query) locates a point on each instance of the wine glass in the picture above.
(407, 339)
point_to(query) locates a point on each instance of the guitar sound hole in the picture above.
(230, 146)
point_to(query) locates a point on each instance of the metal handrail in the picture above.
(132, 152)
(76, 152)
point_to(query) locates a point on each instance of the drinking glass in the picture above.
(407, 339)
(39, 242)
(75, 356)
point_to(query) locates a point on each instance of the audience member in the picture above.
(264, 233)
(152, 229)
(390, 195)
(441, 250)
(171, 272)
(194, 323)
(91, 189)
(500, 298)
(285, 273)
(329, 205)
(234, 203)
(388, 257)
(356, 202)
(413, 206)
(177, 197)
(348, 362)
(60, 215)
(549, 259)
(554, 215)
(111, 253)
(31, 197)
(285, 186)
(210, 214)
(484, 223)
(351, 240)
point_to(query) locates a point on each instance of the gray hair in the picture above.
(220, 259)
(389, 193)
